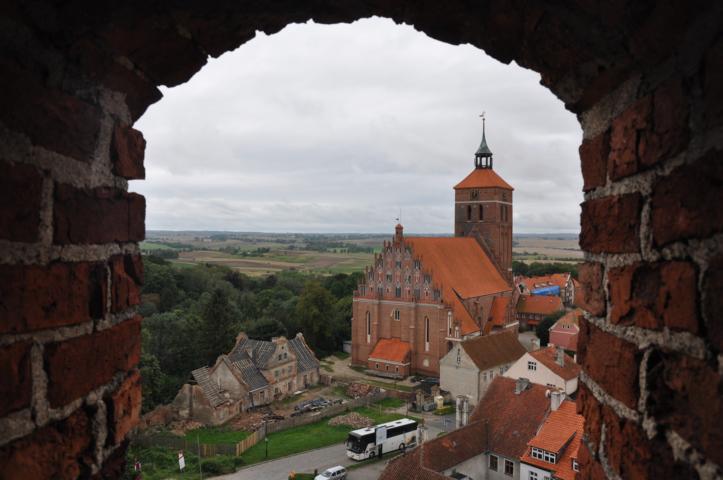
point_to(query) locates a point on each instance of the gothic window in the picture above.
(469, 212)
(426, 334)
(398, 292)
(417, 264)
(481, 213)
(399, 264)
(389, 277)
(474, 194)
(369, 326)
(397, 314)
(416, 293)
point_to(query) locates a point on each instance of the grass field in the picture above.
(211, 435)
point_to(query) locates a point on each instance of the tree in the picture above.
(218, 327)
(265, 328)
(543, 328)
(315, 312)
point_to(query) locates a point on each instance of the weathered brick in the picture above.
(655, 296)
(713, 301)
(685, 394)
(101, 215)
(686, 203)
(126, 276)
(61, 450)
(124, 408)
(77, 366)
(16, 387)
(127, 152)
(20, 195)
(591, 296)
(50, 117)
(590, 408)
(611, 224)
(624, 138)
(594, 154)
(590, 468)
(612, 362)
(37, 297)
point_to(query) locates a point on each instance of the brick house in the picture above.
(471, 366)
(423, 294)
(532, 309)
(489, 447)
(254, 373)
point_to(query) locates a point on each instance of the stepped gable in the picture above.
(305, 358)
(483, 178)
(488, 351)
(210, 389)
(463, 269)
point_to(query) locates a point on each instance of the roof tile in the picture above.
(391, 350)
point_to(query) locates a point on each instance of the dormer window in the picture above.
(543, 455)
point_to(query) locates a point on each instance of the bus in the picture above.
(379, 439)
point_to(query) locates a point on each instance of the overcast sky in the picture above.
(336, 128)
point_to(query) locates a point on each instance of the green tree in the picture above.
(218, 327)
(543, 328)
(315, 312)
(265, 328)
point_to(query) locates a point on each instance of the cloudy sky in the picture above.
(337, 128)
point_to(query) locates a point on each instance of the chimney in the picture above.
(560, 356)
(521, 385)
(556, 399)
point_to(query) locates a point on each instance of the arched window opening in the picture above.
(426, 334)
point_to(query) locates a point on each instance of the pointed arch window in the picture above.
(426, 334)
(481, 212)
(469, 212)
(369, 327)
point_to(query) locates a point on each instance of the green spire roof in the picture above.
(483, 150)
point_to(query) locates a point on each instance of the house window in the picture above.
(398, 264)
(398, 292)
(386, 367)
(493, 462)
(426, 334)
(397, 314)
(417, 264)
(484, 377)
(544, 455)
(531, 365)
(376, 365)
(533, 476)
(396, 369)
(509, 467)
(575, 465)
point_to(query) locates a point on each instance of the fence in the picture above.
(210, 450)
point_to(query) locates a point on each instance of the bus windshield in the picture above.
(358, 443)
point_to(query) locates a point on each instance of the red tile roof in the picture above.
(547, 356)
(558, 279)
(391, 350)
(561, 434)
(463, 269)
(502, 423)
(483, 178)
(488, 351)
(498, 311)
(539, 304)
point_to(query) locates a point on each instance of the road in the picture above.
(323, 458)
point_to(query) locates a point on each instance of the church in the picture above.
(424, 294)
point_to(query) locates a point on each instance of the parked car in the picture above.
(333, 473)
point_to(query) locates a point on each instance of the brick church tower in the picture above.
(483, 209)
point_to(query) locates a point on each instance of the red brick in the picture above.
(101, 215)
(686, 394)
(62, 450)
(38, 297)
(114, 466)
(611, 224)
(16, 387)
(590, 468)
(124, 408)
(624, 138)
(50, 117)
(590, 408)
(686, 203)
(591, 296)
(611, 362)
(655, 296)
(593, 157)
(713, 301)
(126, 276)
(20, 195)
(77, 366)
(127, 151)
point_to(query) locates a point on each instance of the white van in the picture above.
(333, 473)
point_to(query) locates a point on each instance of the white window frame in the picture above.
(489, 463)
(532, 365)
(510, 462)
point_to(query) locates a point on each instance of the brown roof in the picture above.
(463, 270)
(539, 304)
(488, 351)
(502, 423)
(561, 425)
(547, 356)
(391, 350)
(483, 178)
(498, 311)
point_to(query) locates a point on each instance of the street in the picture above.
(323, 458)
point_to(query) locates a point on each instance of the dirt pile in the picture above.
(356, 390)
(351, 419)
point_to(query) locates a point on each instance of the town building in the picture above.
(490, 446)
(532, 309)
(548, 366)
(471, 366)
(553, 452)
(422, 295)
(253, 373)
(558, 284)
(564, 333)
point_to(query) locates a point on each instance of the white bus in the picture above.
(379, 439)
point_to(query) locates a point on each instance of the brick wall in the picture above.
(644, 78)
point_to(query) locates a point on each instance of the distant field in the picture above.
(155, 246)
(529, 249)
